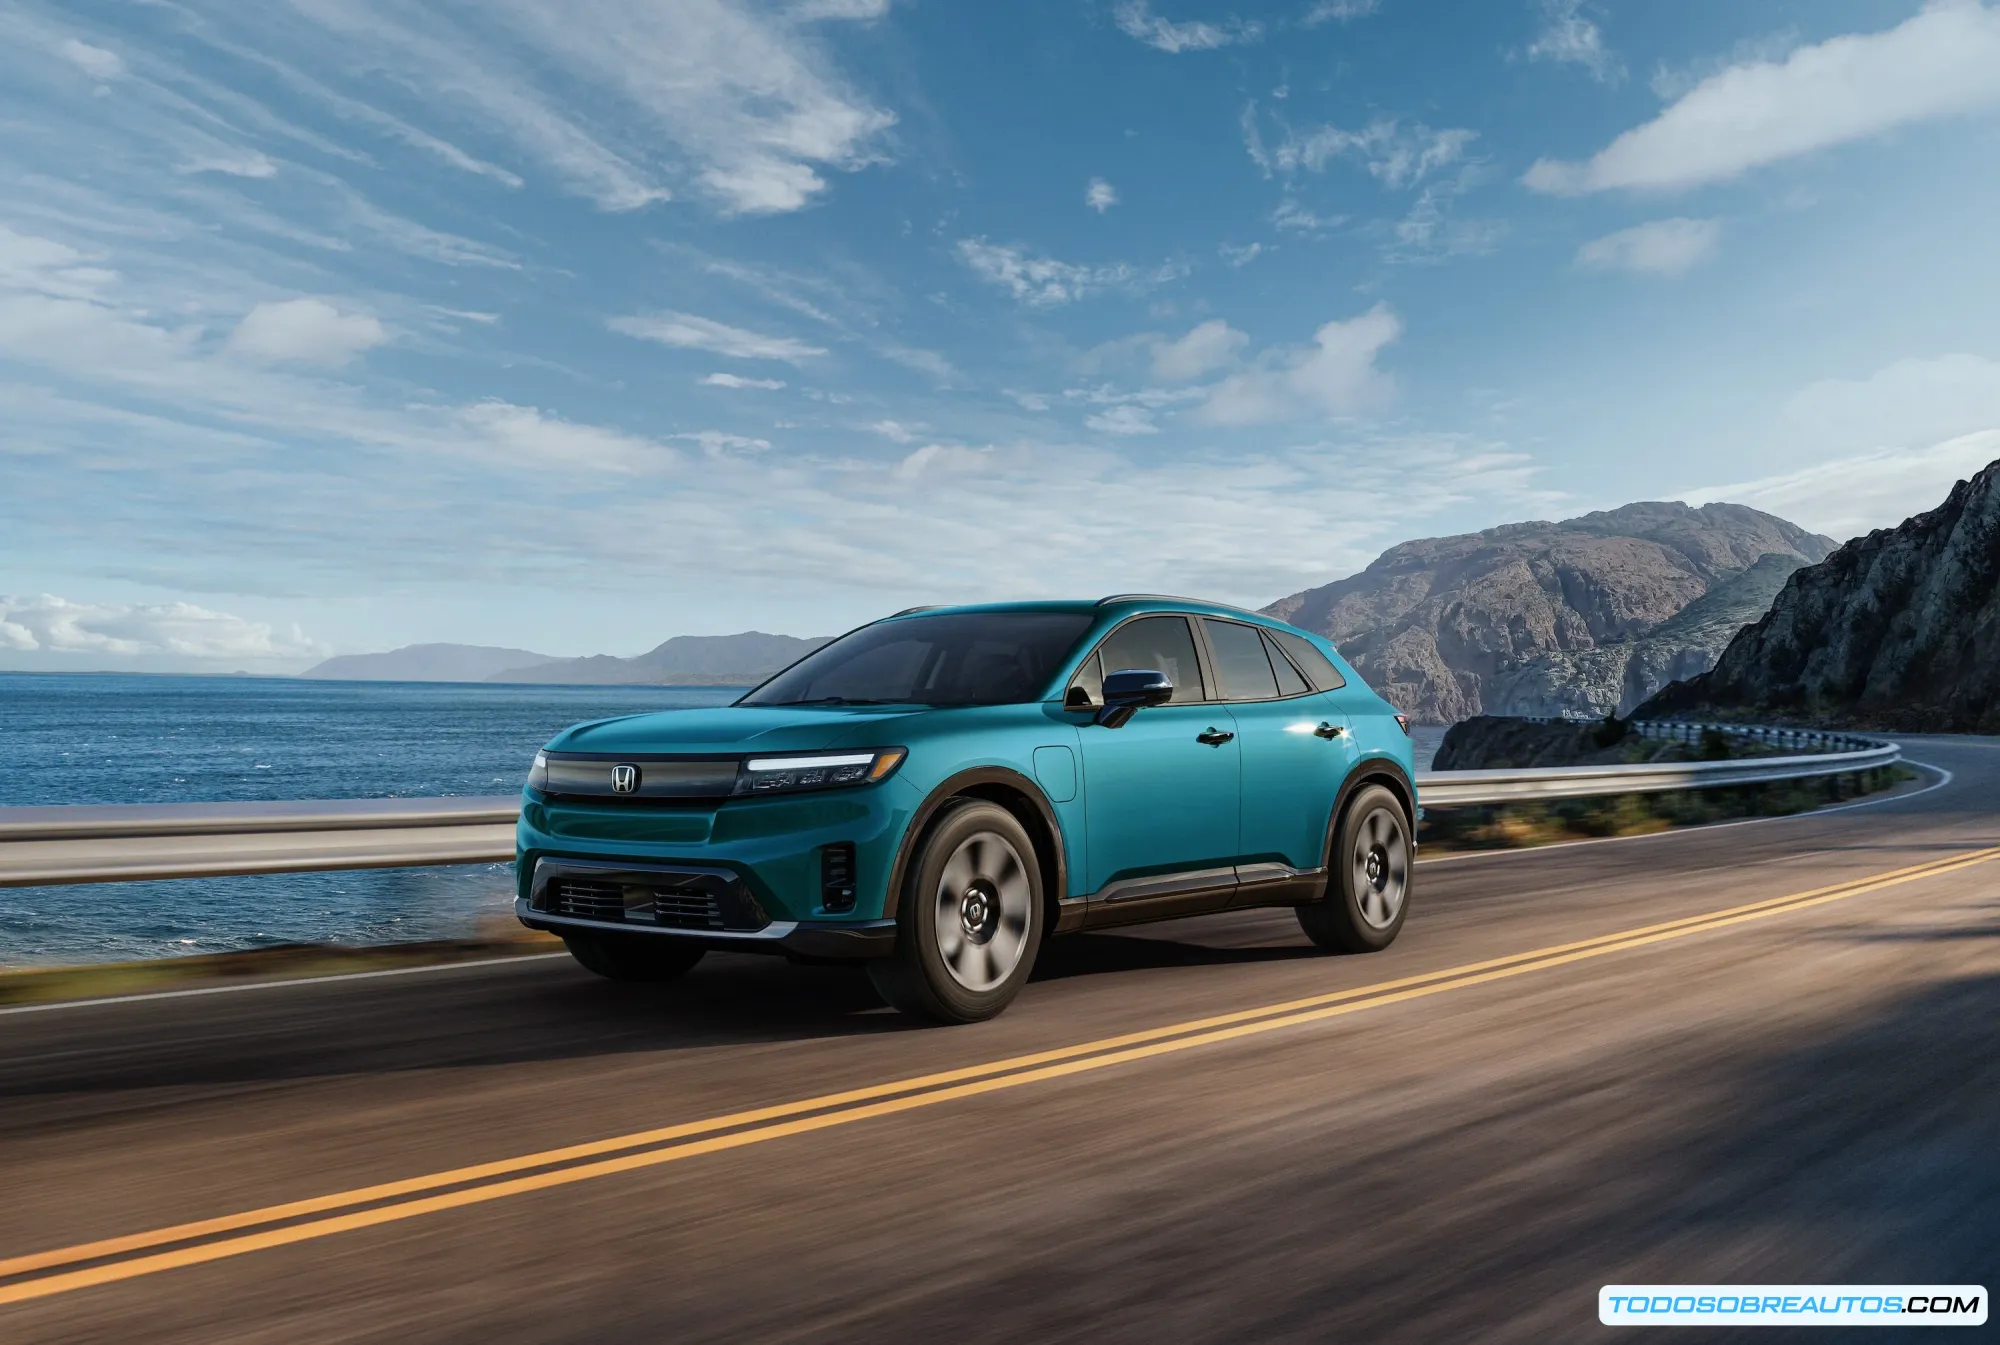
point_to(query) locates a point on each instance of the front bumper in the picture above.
(713, 906)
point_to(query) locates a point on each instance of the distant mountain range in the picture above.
(685, 660)
(1585, 617)
(1582, 618)
(427, 663)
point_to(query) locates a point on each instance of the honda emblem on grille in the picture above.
(624, 778)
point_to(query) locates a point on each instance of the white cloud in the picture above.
(1432, 231)
(858, 11)
(1568, 37)
(1847, 497)
(1100, 195)
(686, 331)
(1876, 449)
(927, 362)
(96, 62)
(894, 431)
(1124, 420)
(1904, 405)
(738, 381)
(526, 437)
(1210, 346)
(1662, 247)
(1396, 155)
(1672, 82)
(624, 100)
(1335, 376)
(1939, 63)
(312, 331)
(715, 443)
(1339, 11)
(1136, 19)
(1044, 282)
(1239, 256)
(116, 634)
(249, 164)
(1291, 215)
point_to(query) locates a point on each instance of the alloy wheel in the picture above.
(982, 909)
(1381, 862)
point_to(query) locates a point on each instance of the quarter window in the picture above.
(1240, 662)
(1291, 682)
(1317, 667)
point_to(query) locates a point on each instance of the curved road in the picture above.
(1762, 1053)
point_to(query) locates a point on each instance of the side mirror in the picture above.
(1130, 690)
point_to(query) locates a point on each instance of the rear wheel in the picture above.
(1368, 877)
(634, 957)
(970, 919)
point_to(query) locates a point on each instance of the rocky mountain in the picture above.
(1585, 617)
(1898, 630)
(685, 660)
(427, 663)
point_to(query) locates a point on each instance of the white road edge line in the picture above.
(1945, 778)
(279, 985)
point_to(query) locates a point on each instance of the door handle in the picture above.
(1330, 730)
(1213, 737)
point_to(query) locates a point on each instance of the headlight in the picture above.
(538, 774)
(771, 775)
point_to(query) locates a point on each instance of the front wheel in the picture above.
(970, 919)
(634, 957)
(1368, 877)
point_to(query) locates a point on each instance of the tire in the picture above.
(635, 957)
(1369, 873)
(970, 920)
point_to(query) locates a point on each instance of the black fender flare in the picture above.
(1372, 770)
(1055, 866)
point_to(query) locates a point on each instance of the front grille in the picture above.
(686, 910)
(587, 900)
(690, 899)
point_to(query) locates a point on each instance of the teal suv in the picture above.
(938, 792)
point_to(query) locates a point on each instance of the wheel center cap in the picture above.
(1377, 868)
(975, 911)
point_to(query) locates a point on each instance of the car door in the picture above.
(1162, 791)
(1296, 747)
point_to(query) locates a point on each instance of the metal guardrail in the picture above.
(88, 843)
(84, 843)
(1839, 754)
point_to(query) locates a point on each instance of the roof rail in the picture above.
(911, 611)
(1173, 597)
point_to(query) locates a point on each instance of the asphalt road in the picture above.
(1446, 1141)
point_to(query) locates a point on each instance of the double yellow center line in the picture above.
(121, 1258)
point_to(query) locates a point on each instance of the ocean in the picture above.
(113, 738)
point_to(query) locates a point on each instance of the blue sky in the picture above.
(333, 325)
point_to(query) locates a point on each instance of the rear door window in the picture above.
(1241, 664)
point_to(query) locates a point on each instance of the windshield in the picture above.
(953, 658)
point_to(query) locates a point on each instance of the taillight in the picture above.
(1403, 723)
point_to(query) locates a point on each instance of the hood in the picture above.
(730, 728)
